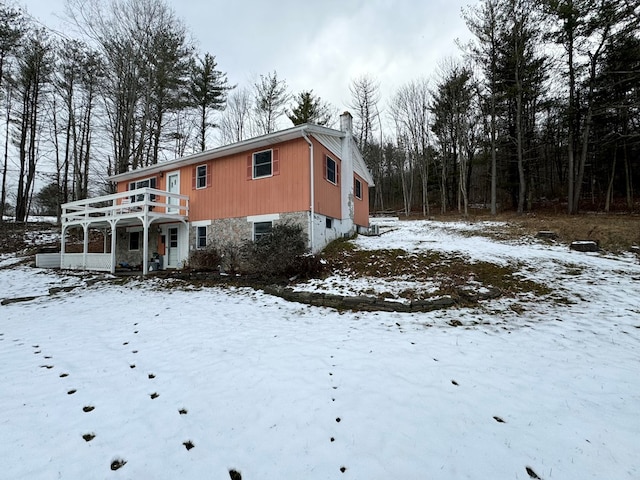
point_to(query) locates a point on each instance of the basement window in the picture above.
(328, 222)
(134, 241)
(261, 229)
(201, 237)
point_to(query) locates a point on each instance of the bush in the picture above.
(276, 254)
(206, 260)
(308, 266)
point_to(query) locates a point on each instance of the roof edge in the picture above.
(232, 148)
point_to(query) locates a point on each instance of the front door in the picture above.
(172, 247)
(173, 186)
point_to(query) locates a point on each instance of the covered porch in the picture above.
(141, 209)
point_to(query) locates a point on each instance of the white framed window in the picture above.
(261, 229)
(134, 241)
(263, 164)
(201, 176)
(331, 173)
(357, 188)
(147, 182)
(201, 237)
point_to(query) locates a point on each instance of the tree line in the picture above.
(129, 91)
(542, 108)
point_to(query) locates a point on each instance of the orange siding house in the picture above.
(309, 174)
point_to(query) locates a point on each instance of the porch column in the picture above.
(85, 246)
(113, 245)
(145, 245)
(63, 236)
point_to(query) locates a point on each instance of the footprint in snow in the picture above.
(118, 463)
(532, 474)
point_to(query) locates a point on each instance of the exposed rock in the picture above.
(585, 246)
(547, 235)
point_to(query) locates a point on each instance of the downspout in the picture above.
(312, 192)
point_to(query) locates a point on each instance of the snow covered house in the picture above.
(308, 174)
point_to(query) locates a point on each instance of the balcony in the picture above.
(142, 207)
(129, 208)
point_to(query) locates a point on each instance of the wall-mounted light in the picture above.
(161, 174)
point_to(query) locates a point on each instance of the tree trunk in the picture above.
(609, 197)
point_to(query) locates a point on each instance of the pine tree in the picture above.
(309, 109)
(208, 91)
(271, 98)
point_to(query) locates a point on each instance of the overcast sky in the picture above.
(320, 45)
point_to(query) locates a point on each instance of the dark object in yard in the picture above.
(118, 463)
(547, 234)
(235, 475)
(585, 246)
(532, 474)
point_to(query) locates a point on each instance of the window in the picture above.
(261, 229)
(147, 182)
(262, 164)
(331, 173)
(357, 188)
(201, 176)
(328, 222)
(201, 237)
(134, 240)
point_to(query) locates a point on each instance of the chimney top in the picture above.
(346, 123)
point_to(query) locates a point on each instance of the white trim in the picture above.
(168, 176)
(201, 223)
(232, 149)
(263, 218)
(355, 191)
(253, 164)
(253, 228)
(198, 247)
(206, 173)
(335, 170)
(134, 229)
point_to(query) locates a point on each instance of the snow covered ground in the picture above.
(273, 389)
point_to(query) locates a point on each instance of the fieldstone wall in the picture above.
(360, 303)
(226, 232)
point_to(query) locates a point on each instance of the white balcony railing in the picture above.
(94, 261)
(132, 203)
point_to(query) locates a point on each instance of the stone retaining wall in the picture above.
(360, 303)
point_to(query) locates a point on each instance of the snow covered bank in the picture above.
(282, 390)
